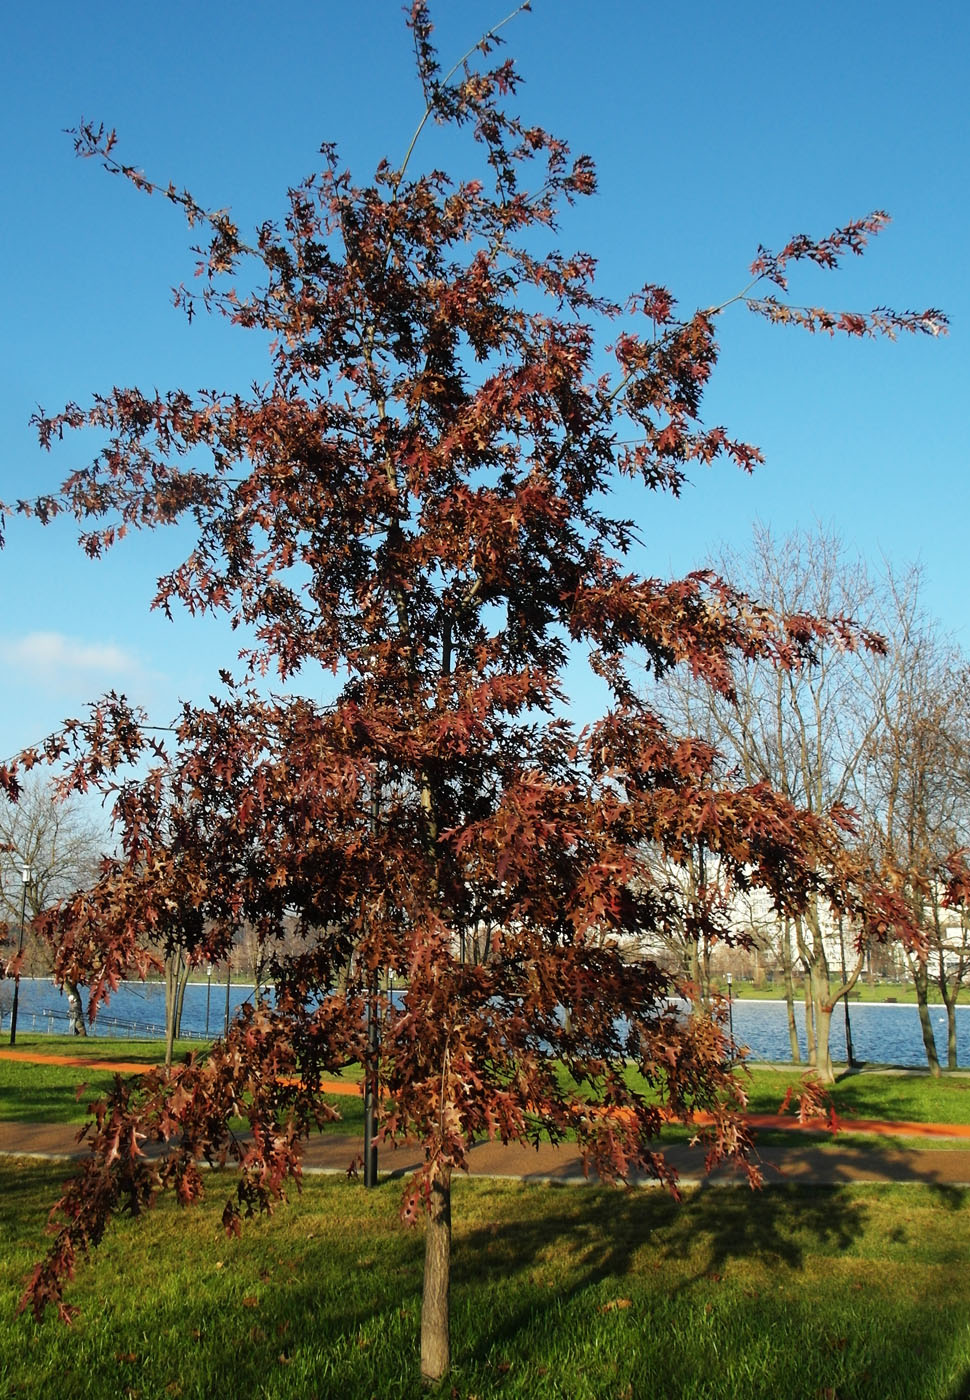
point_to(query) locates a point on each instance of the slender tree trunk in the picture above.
(180, 997)
(704, 950)
(810, 1022)
(847, 986)
(823, 1056)
(949, 991)
(706, 971)
(929, 1040)
(818, 993)
(80, 1025)
(786, 967)
(171, 987)
(921, 982)
(435, 1303)
(950, 1002)
(694, 967)
(822, 1012)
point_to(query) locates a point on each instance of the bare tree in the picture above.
(60, 844)
(803, 730)
(914, 790)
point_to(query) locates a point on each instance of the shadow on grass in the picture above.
(27, 1192)
(598, 1237)
(948, 1195)
(909, 1096)
(325, 1300)
(298, 1301)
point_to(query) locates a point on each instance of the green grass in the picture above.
(557, 1292)
(44, 1093)
(145, 1052)
(39, 1093)
(906, 1097)
(902, 992)
(48, 1093)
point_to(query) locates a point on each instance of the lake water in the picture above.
(136, 1010)
(884, 1034)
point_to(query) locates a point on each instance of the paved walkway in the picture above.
(797, 1162)
(835, 1161)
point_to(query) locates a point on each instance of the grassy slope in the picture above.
(558, 1292)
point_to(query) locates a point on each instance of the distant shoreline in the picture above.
(906, 995)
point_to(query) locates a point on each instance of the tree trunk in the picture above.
(951, 1031)
(823, 1055)
(80, 1026)
(435, 1303)
(847, 985)
(818, 1020)
(921, 982)
(786, 965)
(810, 1022)
(706, 971)
(929, 1040)
(819, 999)
(180, 998)
(171, 987)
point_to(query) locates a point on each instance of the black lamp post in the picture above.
(26, 876)
(730, 982)
(208, 994)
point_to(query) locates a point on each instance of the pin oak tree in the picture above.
(419, 500)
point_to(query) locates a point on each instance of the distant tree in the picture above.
(913, 789)
(695, 913)
(60, 844)
(417, 501)
(804, 730)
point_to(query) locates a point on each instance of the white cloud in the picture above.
(50, 657)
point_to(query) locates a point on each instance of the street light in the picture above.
(208, 994)
(730, 981)
(26, 876)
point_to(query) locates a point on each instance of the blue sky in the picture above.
(714, 127)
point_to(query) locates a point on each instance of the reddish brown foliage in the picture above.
(417, 501)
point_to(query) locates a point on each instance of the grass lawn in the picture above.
(902, 992)
(46, 1093)
(39, 1093)
(49, 1093)
(557, 1292)
(909, 1097)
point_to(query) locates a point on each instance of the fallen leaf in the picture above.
(616, 1304)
